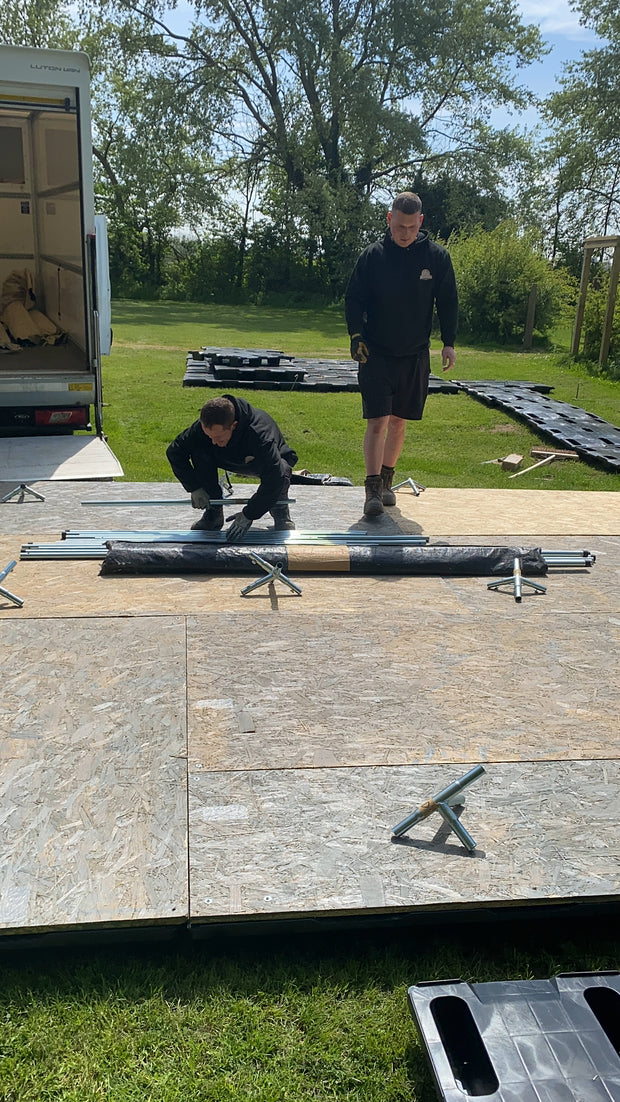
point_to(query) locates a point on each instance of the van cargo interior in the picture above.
(41, 226)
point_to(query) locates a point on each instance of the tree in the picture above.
(338, 101)
(584, 147)
(46, 23)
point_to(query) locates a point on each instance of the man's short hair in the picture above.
(407, 202)
(217, 411)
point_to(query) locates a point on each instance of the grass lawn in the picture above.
(146, 405)
(303, 1019)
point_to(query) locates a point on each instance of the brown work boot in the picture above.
(388, 496)
(282, 519)
(373, 505)
(211, 520)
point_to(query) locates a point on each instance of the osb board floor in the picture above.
(435, 512)
(94, 772)
(277, 842)
(422, 687)
(363, 694)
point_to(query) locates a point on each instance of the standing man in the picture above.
(237, 437)
(389, 312)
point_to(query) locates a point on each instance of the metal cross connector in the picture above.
(417, 487)
(516, 581)
(441, 803)
(273, 573)
(5, 592)
(20, 493)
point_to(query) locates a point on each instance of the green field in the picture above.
(146, 404)
(292, 1019)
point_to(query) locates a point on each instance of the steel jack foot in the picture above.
(273, 573)
(20, 493)
(417, 487)
(442, 803)
(517, 581)
(5, 592)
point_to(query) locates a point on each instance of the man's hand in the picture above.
(200, 499)
(359, 348)
(239, 527)
(448, 357)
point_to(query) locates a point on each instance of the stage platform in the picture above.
(175, 754)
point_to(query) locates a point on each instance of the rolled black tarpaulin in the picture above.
(124, 557)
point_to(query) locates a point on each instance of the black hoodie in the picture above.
(256, 447)
(392, 291)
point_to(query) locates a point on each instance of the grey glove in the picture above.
(239, 527)
(200, 499)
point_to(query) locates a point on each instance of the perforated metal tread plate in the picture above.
(552, 1040)
(575, 428)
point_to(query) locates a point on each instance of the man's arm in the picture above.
(355, 300)
(446, 299)
(179, 455)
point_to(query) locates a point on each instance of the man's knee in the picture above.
(377, 425)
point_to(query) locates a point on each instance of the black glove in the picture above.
(359, 348)
(239, 527)
(200, 499)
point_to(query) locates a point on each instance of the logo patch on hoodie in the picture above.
(425, 274)
(249, 458)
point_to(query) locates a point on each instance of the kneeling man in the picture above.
(234, 436)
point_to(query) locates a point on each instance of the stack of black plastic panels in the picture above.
(590, 436)
(267, 369)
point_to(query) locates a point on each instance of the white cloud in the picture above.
(555, 17)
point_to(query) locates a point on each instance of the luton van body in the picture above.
(54, 281)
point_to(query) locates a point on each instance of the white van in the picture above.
(53, 246)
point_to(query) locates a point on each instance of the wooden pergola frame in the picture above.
(590, 245)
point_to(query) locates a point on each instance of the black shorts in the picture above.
(395, 385)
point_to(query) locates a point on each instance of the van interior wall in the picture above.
(40, 214)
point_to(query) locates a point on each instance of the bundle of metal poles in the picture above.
(93, 544)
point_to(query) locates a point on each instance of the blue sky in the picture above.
(560, 27)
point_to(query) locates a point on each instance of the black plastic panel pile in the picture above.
(590, 436)
(268, 369)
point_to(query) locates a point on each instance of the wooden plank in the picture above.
(541, 453)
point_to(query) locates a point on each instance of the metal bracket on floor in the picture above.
(417, 487)
(273, 573)
(441, 803)
(20, 493)
(5, 592)
(517, 581)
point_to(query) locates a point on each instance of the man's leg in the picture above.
(374, 443)
(282, 520)
(394, 441)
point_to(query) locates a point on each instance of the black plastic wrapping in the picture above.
(201, 558)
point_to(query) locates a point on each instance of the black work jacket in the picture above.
(392, 292)
(256, 448)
